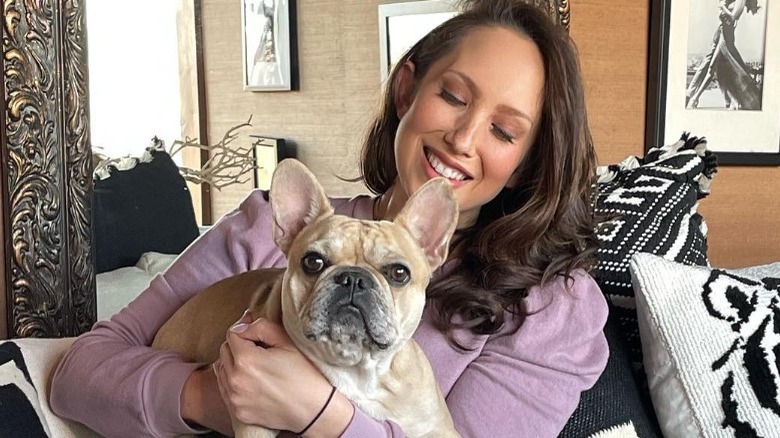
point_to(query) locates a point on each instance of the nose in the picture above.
(463, 136)
(354, 281)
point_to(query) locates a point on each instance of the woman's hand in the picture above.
(276, 387)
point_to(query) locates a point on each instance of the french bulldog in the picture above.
(351, 297)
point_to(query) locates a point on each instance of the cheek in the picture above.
(428, 113)
(501, 162)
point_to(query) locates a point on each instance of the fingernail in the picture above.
(239, 327)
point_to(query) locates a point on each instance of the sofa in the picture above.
(694, 350)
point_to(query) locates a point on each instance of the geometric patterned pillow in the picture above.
(711, 340)
(650, 205)
(20, 410)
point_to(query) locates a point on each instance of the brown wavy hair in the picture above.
(530, 233)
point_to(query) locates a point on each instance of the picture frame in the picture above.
(269, 45)
(268, 152)
(693, 39)
(401, 25)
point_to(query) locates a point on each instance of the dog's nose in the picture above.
(355, 281)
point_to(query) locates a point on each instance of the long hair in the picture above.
(539, 229)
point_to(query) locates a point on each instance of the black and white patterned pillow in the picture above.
(650, 205)
(711, 341)
(20, 410)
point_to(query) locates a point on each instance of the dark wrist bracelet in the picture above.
(319, 414)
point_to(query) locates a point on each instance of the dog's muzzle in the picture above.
(351, 310)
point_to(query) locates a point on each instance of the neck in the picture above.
(389, 204)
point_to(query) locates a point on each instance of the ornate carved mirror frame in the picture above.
(46, 184)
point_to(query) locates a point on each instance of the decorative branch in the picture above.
(225, 166)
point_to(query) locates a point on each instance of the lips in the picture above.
(361, 323)
(444, 170)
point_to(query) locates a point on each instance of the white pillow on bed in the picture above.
(154, 262)
(118, 287)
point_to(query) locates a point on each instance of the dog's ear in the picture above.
(431, 215)
(297, 199)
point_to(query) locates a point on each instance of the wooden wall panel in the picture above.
(743, 215)
(612, 41)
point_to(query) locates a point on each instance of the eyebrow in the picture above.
(502, 107)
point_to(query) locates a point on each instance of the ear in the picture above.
(431, 215)
(297, 199)
(404, 88)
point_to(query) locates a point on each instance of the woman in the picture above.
(724, 63)
(491, 100)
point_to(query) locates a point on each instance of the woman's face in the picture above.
(472, 117)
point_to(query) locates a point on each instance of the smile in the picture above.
(444, 170)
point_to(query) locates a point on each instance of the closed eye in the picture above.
(451, 98)
(501, 134)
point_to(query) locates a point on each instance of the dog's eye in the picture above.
(313, 263)
(397, 274)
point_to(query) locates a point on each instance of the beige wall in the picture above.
(339, 77)
(339, 85)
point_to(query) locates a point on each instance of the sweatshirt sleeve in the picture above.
(528, 381)
(111, 380)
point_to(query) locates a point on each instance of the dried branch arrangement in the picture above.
(226, 164)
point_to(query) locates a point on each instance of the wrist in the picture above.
(191, 401)
(334, 419)
(201, 404)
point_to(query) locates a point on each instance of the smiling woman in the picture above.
(457, 122)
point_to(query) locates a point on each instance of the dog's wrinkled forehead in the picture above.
(358, 241)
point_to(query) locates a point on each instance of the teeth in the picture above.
(443, 170)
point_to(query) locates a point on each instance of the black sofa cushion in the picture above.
(616, 400)
(145, 208)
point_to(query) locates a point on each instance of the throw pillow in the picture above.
(711, 340)
(144, 208)
(650, 205)
(19, 407)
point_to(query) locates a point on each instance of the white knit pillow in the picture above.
(711, 347)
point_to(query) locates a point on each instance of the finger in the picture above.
(239, 346)
(263, 330)
(219, 371)
(246, 318)
(226, 359)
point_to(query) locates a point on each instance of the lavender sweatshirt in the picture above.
(519, 382)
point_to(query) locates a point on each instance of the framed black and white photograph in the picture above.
(269, 45)
(269, 151)
(715, 72)
(401, 25)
